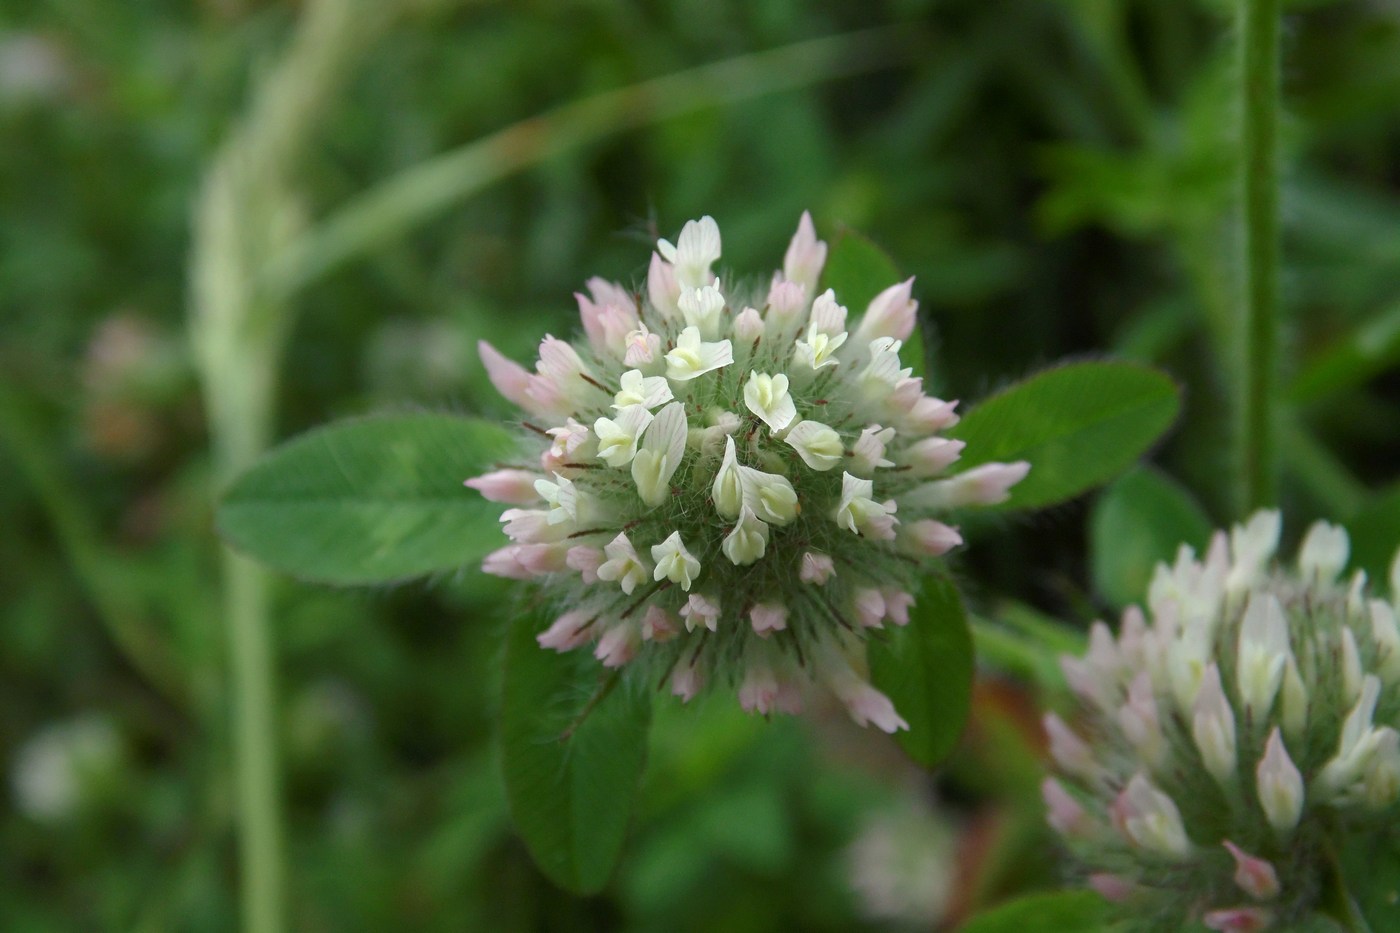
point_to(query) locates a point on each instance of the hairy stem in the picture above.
(1256, 432)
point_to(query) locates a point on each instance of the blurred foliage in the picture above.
(1056, 173)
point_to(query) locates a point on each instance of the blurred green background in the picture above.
(1056, 173)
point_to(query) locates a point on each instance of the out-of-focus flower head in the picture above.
(1231, 732)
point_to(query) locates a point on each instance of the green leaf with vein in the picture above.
(572, 752)
(1079, 425)
(859, 270)
(1141, 519)
(925, 667)
(370, 500)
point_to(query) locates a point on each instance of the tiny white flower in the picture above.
(1152, 820)
(768, 398)
(693, 357)
(660, 453)
(695, 250)
(883, 372)
(1263, 652)
(817, 444)
(857, 512)
(819, 349)
(623, 565)
(1324, 553)
(674, 562)
(703, 309)
(1279, 784)
(828, 316)
(868, 452)
(648, 391)
(817, 568)
(748, 541)
(728, 489)
(770, 496)
(617, 439)
(562, 497)
(702, 612)
(1251, 546)
(642, 347)
(1213, 726)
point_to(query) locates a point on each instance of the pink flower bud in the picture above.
(662, 287)
(1255, 876)
(787, 305)
(510, 378)
(686, 682)
(990, 483)
(618, 645)
(805, 255)
(516, 487)
(869, 607)
(768, 618)
(890, 314)
(1239, 919)
(1063, 812)
(931, 538)
(1070, 752)
(568, 631)
(866, 705)
(748, 326)
(1112, 888)
(897, 603)
(658, 625)
(759, 691)
(700, 612)
(586, 560)
(816, 568)
(933, 455)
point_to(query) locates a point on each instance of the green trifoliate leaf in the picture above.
(370, 500)
(925, 668)
(1078, 425)
(572, 751)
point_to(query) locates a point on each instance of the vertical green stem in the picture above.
(1256, 430)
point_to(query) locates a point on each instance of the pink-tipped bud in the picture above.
(869, 608)
(990, 483)
(515, 487)
(686, 682)
(507, 562)
(933, 455)
(929, 414)
(1063, 812)
(768, 618)
(787, 305)
(1112, 888)
(806, 255)
(759, 691)
(658, 625)
(1070, 752)
(891, 313)
(1255, 876)
(662, 287)
(897, 603)
(930, 538)
(816, 568)
(586, 560)
(618, 645)
(700, 612)
(568, 631)
(748, 326)
(510, 378)
(1239, 919)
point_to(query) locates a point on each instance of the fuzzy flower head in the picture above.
(1231, 733)
(731, 484)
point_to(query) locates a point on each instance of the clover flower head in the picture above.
(1230, 732)
(732, 484)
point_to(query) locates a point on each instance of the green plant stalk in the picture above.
(1256, 432)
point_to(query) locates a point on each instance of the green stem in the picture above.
(1255, 434)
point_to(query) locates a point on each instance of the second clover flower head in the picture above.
(731, 486)
(1232, 734)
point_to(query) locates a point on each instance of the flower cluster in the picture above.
(734, 483)
(1228, 742)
